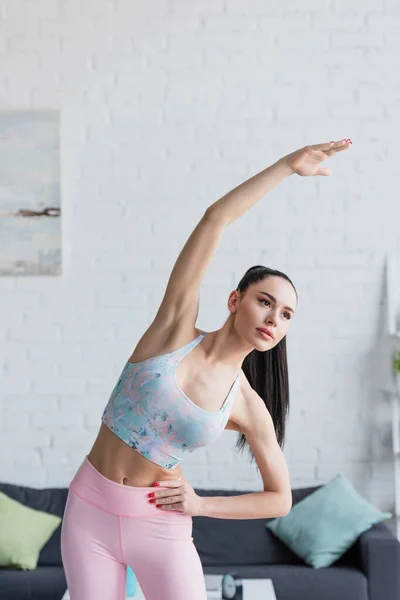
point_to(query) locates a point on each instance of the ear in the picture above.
(233, 301)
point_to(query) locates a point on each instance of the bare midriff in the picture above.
(117, 461)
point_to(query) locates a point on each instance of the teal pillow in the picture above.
(323, 526)
(23, 533)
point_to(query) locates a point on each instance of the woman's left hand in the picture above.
(306, 161)
(180, 497)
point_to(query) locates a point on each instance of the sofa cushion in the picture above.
(44, 583)
(50, 500)
(247, 541)
(23, 533)
(219, 541)
(323, 526)
(237, 541)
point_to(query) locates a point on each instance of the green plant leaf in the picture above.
(396, 362)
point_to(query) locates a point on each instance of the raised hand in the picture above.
(306, 161)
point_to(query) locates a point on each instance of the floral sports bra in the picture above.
(149, 412)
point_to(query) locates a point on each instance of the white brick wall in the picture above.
(165, 106)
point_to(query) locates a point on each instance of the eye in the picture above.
(263, 301)
(287, 315)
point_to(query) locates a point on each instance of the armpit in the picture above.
(231, 425)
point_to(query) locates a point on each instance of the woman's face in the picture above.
(264, 311)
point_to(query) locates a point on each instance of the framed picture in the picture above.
(30, 211)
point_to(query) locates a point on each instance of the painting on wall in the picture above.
(30, 212)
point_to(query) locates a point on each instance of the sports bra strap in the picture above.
(181, 352)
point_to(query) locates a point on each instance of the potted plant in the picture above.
(396, 363)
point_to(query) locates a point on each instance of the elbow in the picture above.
(277, 504)
(214, 215)
(284, 505)
(285, 510)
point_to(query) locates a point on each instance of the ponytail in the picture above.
(267, 372)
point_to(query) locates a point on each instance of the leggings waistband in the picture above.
(116, 498)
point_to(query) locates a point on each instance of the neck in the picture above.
(223, 347)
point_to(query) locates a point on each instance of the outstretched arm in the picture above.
(303, 162)
(182, 293)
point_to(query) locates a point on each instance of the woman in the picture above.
(128, 503)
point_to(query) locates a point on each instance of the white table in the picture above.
(255, 588)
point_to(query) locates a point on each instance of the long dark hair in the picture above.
(267, 372)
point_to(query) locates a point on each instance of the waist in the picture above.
(122, 500)
(117, 461)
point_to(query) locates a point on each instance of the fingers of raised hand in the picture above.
(324, 172)
(331, 147)
(325, 146)
(344, 146)
(316, 154)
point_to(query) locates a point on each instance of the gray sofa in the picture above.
(370, 570)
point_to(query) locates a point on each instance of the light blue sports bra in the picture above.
(149, 412)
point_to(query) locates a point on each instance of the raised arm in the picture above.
(182, 293)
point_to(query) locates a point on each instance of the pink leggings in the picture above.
(107, 526)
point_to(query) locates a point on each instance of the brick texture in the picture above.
(164, 107)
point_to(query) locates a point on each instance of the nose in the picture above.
(270, 318)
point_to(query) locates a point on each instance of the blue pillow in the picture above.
(323, 526)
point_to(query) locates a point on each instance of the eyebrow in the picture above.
(274, 300)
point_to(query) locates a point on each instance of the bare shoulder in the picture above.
(248, 408)
(160, 339)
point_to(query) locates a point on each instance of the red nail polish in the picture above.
(156, 483)
(152, 500)
(151, 495)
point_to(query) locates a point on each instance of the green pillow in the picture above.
(23, 533)
(323, 526)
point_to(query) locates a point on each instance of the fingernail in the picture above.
(151, 495)
(152, 500)
(156, 483)
(332, 142)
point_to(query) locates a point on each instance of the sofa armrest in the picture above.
(379, 552)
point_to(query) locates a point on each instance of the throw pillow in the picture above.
(23, 533)
(322, 527)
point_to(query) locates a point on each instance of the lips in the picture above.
(266, 333)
